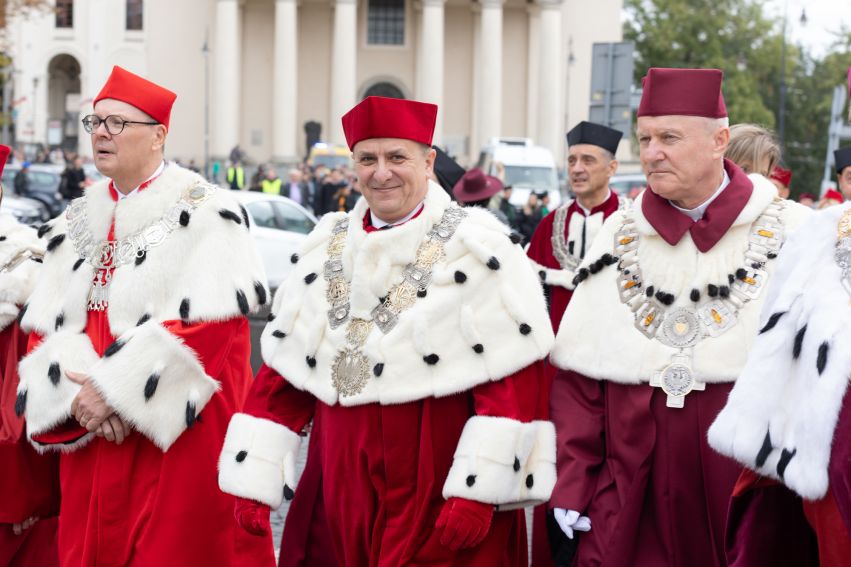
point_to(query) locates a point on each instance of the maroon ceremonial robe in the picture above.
(655, 491)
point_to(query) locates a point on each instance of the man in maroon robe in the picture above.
(655, 335)
(402, 329)
(556, 254)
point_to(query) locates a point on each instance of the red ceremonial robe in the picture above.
(541, 251)
(29, 483)
(135, 504)
(655, 491)
(383, 468)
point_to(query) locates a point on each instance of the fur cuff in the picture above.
(258, 460)
(154, 382)
(504, 462)
(44, 392)
(551, 276)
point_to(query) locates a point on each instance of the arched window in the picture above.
(64, 13)
(134, 14)
(386, 22)
(388, 90)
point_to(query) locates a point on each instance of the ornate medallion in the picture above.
(681, 328)
(350, 372)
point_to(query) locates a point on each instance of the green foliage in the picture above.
(737, 37)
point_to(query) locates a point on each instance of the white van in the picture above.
(527, 168)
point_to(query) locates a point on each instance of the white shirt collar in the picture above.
(588, 211)
(697, 213)
(378, 223)
(122, 196)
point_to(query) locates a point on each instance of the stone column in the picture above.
(284, 95)
(549, 128)
(490, 81)
(227, 78)
(430, 88)
(343, 67)
(534, 70)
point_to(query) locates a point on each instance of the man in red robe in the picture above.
(29, 487)
(788, 418)
(556, 254)
(656, 334)
(402, 329)
(140, 348)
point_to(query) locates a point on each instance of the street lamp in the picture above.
(781, 113)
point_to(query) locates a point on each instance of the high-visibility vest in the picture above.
(236, 173)
(271, 186)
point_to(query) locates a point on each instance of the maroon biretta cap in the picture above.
(380, 117)
(686, 92)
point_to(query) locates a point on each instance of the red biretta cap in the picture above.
(4, 156)
(687, 92)
(834, 195)
(784, 176)
(380, 117)
(150, 98)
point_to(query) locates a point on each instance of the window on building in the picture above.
(386, 22)
(134, 14)
(64, 13)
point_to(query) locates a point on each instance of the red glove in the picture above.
(252, 516)
(465, 523)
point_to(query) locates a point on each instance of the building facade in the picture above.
(254, 73)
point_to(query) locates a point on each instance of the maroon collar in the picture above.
(720, 215)
(607, 207)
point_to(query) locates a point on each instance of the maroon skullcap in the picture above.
(687, 92)
(150, 98)
(380, 117)
(476, 186)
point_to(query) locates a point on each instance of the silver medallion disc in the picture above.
(350, 372)
(681, 328)
(677, 379)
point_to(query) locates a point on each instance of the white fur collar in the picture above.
(207, 270)
(483, 318)
(596, 319)
(17, 284)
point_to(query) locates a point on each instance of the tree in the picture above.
(737, 37)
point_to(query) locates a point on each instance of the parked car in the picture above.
(628, 184)
(44, 185)
(279, 226)
(27, 211)
(527, 168)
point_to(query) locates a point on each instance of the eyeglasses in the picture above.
(113, 124)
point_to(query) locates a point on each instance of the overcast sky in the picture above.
(823, 17)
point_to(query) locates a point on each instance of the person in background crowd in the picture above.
(332, 183)
(138, 359)
(530, 216)
(235, 176)
(658, 328)
(782, 179)
(508, 210)
(257, 179)
(296, 188)
(842, 157)
(29, 482)
(73, 180)
(429, 398)
(475, 189)
(807, 199)
(753, 148)
(271, 185)
(831, 198)
(22, 180)
(447, 172)
(215, 171)
(544, 201)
